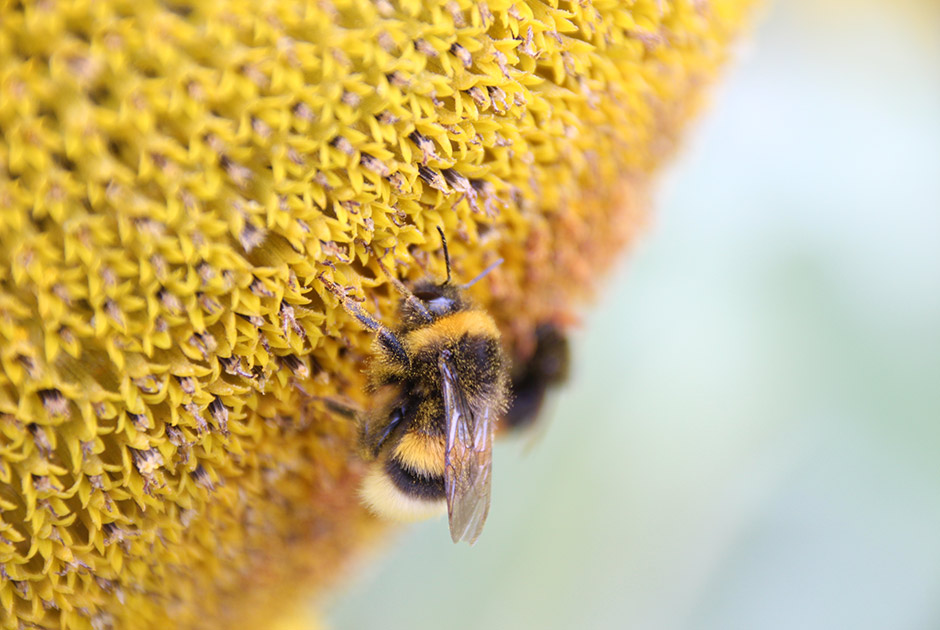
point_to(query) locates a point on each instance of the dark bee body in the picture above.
(531, 379)
(438, 383)
(406, 430)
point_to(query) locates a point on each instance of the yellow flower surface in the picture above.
(175, 177)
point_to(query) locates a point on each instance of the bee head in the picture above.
(438, 299)
(428, 301)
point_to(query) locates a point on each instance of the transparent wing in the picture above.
(468, 458)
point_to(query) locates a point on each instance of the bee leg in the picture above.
(409, 297)
(394, 420)
(341, 407)
(386, 337)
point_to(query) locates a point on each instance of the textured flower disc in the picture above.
(174, 179)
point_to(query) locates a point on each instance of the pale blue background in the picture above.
(752, 437)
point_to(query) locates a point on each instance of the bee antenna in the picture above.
(446, 256)
(401, 288)
(483, 274)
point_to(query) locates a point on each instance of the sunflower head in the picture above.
(178, 179)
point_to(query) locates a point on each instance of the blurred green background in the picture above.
(751, 439)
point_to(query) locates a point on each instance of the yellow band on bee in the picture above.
(423, 454)
(452, 327)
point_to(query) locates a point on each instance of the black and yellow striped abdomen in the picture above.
(404, 434)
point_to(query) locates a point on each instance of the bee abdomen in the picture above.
(393, 491)
(416, 485)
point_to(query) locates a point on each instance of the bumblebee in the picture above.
(439, 381)
(546, 368)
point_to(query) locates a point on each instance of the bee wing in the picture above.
(468, 458)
